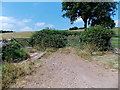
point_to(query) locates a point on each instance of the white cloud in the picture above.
(6, 26)
(79, 19)
(7, 19)
(10, 23)
(23, 22)
(117, 23)
(49, 25)
(40, 24)
(26, 20)
(26, 29)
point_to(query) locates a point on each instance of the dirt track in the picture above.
(67, 70)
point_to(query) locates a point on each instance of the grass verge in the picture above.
(49, 51)
(13, 71)
(107, 59)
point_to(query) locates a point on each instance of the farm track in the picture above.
(67, 70)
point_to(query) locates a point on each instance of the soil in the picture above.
(68, 70)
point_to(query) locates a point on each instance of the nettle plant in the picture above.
(97, 35)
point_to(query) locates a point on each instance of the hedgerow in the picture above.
(97, 35)
(58, 32)
(73, 28)
(51, 38)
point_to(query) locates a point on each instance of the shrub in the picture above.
(98, 35)
(57, 41)
(47, 38)
(13, 52)
(51, 38)
(73, 28)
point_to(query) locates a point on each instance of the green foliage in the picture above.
(24, 42)
(73, 28)
(13, 52)
(51, 38)
(117, 32)
(98, 35)
(73, 41)
(57, 41)
(88, 11)
(102, 21)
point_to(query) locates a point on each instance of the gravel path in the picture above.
(67, 70)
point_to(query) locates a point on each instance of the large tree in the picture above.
(90, 12)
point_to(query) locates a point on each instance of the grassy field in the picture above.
(115, 42)
(24, 34)
(117, 31)
(116, 39)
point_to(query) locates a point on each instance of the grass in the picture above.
(117, 31)
(106, 59)
(73, 41)
(49, 51)
(13, 71)
(24, 34)
(115, 41)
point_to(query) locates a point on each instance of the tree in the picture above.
(103, 21)
(73, 28)
(90, 12)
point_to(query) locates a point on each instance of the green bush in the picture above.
(13, 52)
(57, 32)
(73, 28)
(49, 38)
(57, 41)
(97, 35)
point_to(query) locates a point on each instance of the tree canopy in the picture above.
(92, 13)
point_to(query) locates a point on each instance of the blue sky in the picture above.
(32, 16)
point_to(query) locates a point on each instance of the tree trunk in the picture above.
(85, 23)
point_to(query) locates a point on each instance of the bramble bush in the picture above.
(97, 35)
(13, 52)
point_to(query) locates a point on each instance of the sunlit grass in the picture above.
(24, 34)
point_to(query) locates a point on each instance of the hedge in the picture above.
(97, 35)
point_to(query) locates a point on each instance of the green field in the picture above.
(24, 34)
(115, 42)
(116, 39)
(117, 32)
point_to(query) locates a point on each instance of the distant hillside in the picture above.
(24, 34)
(77, 30)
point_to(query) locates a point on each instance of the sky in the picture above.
(32, 16)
